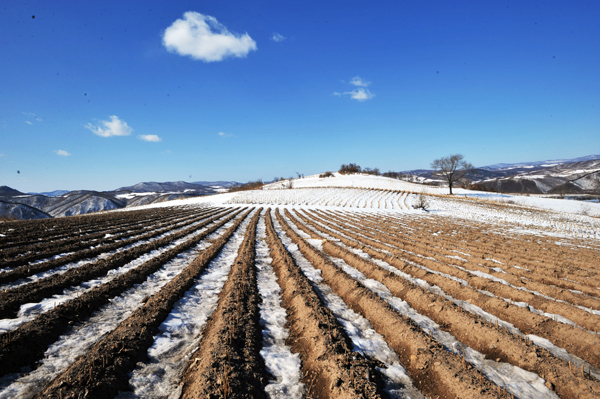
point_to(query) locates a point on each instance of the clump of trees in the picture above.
(355, 168)
(452, 168)
(350, 169)
(251, 185)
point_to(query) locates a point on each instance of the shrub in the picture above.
(350, 169)
(251, 185)
(326, 174)
(422, 202)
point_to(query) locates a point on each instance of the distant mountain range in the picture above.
(540, 164)
(17, 205)
(558, 176)
(578, 175)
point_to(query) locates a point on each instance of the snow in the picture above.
(473, 309)
(82, 336)
(512, 214)
(62, 269)
(29, 311)
(368, 192)
(159, 377)
(515, 380)
(281, 363)
(364, 338)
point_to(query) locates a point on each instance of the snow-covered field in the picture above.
(478, 295)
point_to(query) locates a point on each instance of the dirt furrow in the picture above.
(469, 329)
(78, 241)
(580, 342)
(495, 252)
(29, 232)
(526, 250)
(104, 370)
(330, 368)
(435, 371)
(495, 285)
(12, 299)
(27, 343)
(28, 270)
(227, 363)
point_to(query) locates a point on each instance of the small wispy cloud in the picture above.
(223, 134)
(277, 37)
(357, 81)
(153, 138)
(361, 93)
(32, 117)
(203, 38)
(112, 127)
(62, 153)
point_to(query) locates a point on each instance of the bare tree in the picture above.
(452, 168)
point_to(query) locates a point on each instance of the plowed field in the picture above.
(243, 301)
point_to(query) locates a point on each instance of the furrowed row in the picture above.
(330, 368)
(481, 336)
(227, 363)
(580, 342)
(477, 258)
(505, 250)
(104, 370)
(435, 371)
(586, 318)
(12, 299)
(30, 231)
(77, 241)
(27, 270)
(27, 343)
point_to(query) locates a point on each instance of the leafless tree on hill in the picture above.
(452, 168)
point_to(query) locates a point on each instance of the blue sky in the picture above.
(103, 94)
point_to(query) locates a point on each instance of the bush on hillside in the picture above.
(350, 169)
(251, 185)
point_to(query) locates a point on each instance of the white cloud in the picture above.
(223, 134)
(278, 37)
(153, 138)
(357, 81)
(114, 127)
(29, 123)
(360, 94)
(62, 153)
(202, 37)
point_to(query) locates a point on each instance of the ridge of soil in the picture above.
(28, 343)
(227, 363)
(330, 368)
(104, 370)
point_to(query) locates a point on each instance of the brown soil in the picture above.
(12, 299)
(330, 368)
(573, 339)
(435, 371)
(483, 337)
(104, 370)
(85, 253)
(227, 363)
(46, 248)
(27, 343)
